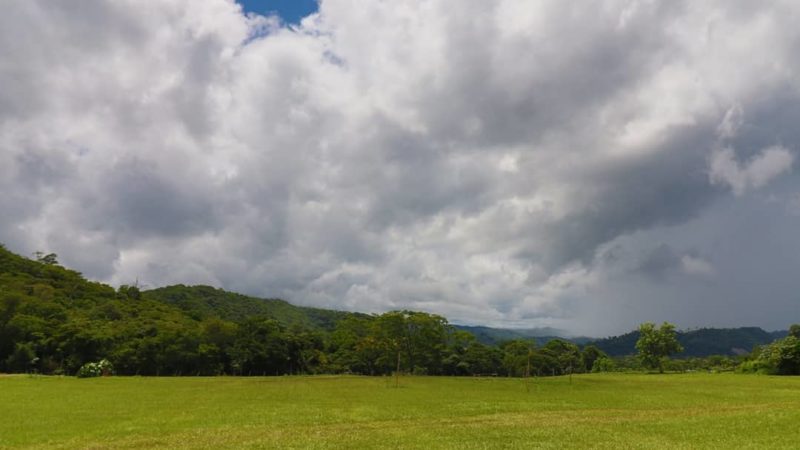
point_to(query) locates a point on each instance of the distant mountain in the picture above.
(699, 342)
(780, 334)
(494, 336)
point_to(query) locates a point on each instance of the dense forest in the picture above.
(699, 343)
(54, 321)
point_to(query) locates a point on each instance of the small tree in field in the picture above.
(655, 344)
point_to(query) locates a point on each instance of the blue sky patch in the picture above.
(291, 11)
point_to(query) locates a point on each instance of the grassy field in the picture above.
(598, 411)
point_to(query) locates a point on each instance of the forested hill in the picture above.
(52, 320)
(201, 302)
(700, 342)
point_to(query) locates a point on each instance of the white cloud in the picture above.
(471, 161)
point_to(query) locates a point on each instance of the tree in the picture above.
(566, 354)
(517, 357)
(51, 259)
(261, 347)
(603, 364)
(794, 330)
(129, 292)
(656, 344)
(589, 355)
(782, 357)
(481, 359)
(458, 342)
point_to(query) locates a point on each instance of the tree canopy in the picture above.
(54, 321)
(656, 344)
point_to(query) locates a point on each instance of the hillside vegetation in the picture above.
(54, 321)
(204, 302)
(698, 343)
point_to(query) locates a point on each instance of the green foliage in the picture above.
(23, 359)
(782, 357)
(566, 355)
(589, 355)
(482, 359)
(375, 345)
(517, 356)
(656, 344)
(52, 320)
(603, 364)
(756, 366)
(201, 302)
(128, 292)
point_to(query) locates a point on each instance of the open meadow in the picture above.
(597, 410)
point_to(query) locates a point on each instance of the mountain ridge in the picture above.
(698, 342)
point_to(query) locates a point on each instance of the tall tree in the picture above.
(656, 344)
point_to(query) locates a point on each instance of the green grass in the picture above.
(598, 411)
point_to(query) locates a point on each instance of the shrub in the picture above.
(756, 366)
(96, 369)
(603, 364)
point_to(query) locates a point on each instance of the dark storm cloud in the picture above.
(665, 187)
(661, 262)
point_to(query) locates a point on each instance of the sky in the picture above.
(290, 11)
(506, 163)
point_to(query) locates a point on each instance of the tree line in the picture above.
(53, 321)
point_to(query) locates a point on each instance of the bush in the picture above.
(782, 357)
(756, 366)
(603, 364)
(96, 369)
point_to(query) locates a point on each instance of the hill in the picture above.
(53, 320)
(202, 302)
(495, 336)
(698, 343)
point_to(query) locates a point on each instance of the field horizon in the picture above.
(325, 411)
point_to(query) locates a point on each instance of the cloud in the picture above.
(663, 263)
(764, 167)
(502, 163)
(693, 265)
